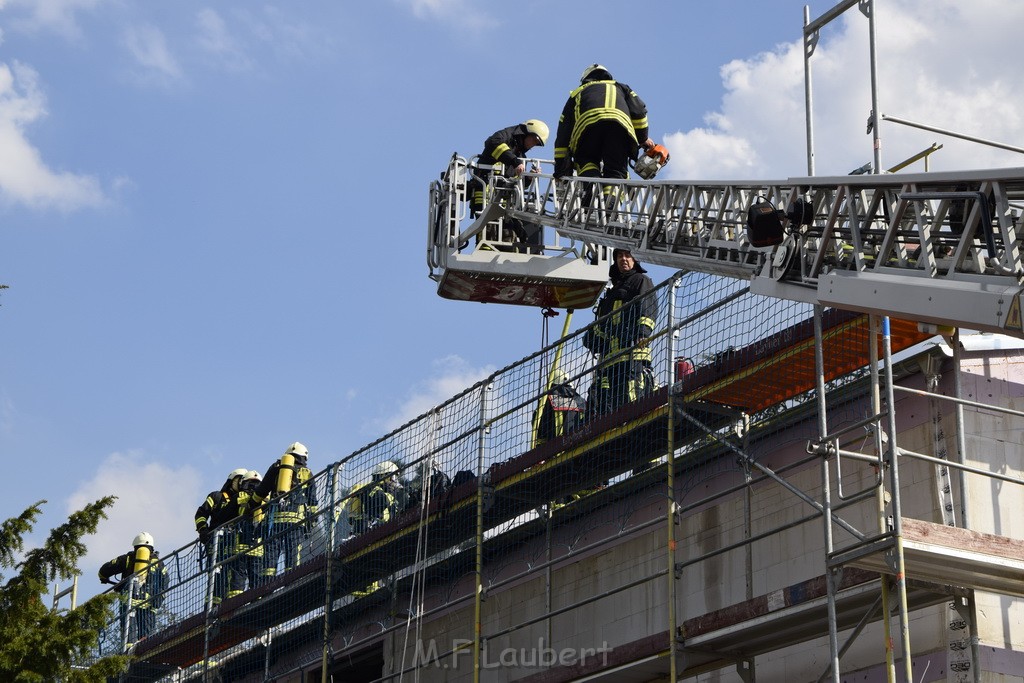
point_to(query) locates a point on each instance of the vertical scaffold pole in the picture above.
(328, 600)
(479, 574)
(670, 464)
(211, 582)
(897, 506)
(961, 457)
(867, 7)
(826, 498)
(810, 42)
(876, 409)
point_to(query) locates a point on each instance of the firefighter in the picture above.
(376, 501)
(142, 582)
(561, 411)
(602, 126)
(292, 512)
(507, 147)
(252, 569)
(626, 315)
(218, 508)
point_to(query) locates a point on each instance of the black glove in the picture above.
(205, 535)
(563, 167)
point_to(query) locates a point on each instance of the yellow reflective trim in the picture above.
(499, 150)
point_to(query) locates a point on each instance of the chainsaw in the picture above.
(648, 165)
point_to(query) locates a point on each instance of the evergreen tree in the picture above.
(39, 643)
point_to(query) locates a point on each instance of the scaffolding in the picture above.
(646, 542)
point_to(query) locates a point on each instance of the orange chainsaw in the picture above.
(651, 162)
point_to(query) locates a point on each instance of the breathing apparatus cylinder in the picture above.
(141, 558)
(285, 473)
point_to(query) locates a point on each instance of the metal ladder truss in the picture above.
(939, 248)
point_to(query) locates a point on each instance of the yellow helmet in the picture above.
(538, 128)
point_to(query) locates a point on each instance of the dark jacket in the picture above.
(631, 315)
(599, 100)
(153, 579)
(505, 146)
(218, 507)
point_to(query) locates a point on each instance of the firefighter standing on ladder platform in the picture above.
(602, 126)
(506, 147)
(291, 514)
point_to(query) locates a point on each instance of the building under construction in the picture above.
(824, 483)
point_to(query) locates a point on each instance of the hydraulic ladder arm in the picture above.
(940, 248)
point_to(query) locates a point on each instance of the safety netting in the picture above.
(458, 532)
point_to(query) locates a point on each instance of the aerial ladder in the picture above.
(939, 248)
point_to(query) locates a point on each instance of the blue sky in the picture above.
(213, 214)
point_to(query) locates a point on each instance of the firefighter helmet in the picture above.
(143, 538)
(252, 475)
(538, 128)
(297, 449)
(384, 469)
(594, 73)
(234, 478)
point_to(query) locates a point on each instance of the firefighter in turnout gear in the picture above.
(602, 126)
(626, 315)
(218, 508)
(507, 147)
(292, 511)
(376, 501)
(142, 582)
(251, 567)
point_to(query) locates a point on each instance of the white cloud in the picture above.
(56, 16)
(462, 15)
(24, 177)
(943, 63)
(455, 376)
(152, 496)
(148, 46)
(217, 41)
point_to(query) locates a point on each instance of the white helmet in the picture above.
(297, 449)
(591, 72)
(143, 538)
(252, 475)
(538, 128)
(385, 469)
(235, 477)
